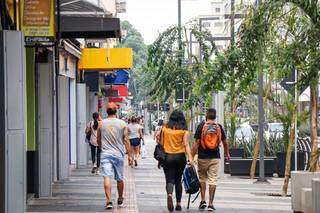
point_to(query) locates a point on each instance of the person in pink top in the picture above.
(92, 127)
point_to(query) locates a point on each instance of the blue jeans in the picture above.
(112, 165)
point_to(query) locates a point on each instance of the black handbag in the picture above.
(159, 153)
(88, 134)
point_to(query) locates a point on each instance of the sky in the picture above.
(151, 17)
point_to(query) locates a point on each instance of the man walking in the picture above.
(114, 143)
(208, 136)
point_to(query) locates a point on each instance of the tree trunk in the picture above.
(288, 157)
(314, 160)
(254, 158)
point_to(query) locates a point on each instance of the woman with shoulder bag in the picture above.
(174, 139)
(91, 131)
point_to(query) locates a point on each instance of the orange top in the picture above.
(173, 140)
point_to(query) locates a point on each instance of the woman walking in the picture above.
(92, 129)
(135, 136)
(174, 138)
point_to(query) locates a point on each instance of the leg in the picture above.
(136, 153)
(212, 179)
(203, 191)
(120, 187)
(93, 154)
(180, 165)
(169, 172)
(107, 188)
(212, 191)
(98, 156)
(131, 153)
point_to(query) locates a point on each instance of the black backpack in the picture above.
(191, 180)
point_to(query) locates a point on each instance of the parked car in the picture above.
(244, 133)
(274, 130)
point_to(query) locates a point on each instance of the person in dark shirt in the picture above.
(209, 159)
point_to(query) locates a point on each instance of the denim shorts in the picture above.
(135, 142)
(112, 165)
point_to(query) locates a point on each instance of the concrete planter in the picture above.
(316, 195)
(281, 162)
(300, 180)
(241, 167)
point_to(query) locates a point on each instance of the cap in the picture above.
(112, 105)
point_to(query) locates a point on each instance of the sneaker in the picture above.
(93, 170)
(178, 208)
(120, 202)
(97, 171)
(211, 208)
(203, 205)
(135, 163)
(109, 205)
(170, 203)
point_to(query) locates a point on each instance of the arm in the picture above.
(99, 137)
(226, 149)
(87, 128)
(141, 135)
(187, 146)
(195, 147)
(126, 140)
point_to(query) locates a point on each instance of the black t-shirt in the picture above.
(207, 153)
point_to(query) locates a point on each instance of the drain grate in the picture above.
(271, 194)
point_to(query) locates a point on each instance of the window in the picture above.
(218, 9)
(206, 24)
(218, 24)
(66, 69)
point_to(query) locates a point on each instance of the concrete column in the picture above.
(82, 146)
(12, 122)
(45, 132)
(316, 195)
(218, 104)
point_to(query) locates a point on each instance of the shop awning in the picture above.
(104, 59)
(89, 27)
(117, 77)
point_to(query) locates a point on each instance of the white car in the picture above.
(244, 133)
(274, 130)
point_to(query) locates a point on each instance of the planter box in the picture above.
(237, 153)
(281, 162)
(315, 195)
(300, 180)
(241, 167)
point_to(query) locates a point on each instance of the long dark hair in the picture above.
(177, 120)
(95, 117)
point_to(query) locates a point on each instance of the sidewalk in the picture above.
(233, 194)
(84, 192)
(145, 193)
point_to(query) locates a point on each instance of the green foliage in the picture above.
(135, 41)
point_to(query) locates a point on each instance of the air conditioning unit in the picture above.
(121, 6)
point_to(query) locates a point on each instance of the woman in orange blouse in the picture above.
(174, 138)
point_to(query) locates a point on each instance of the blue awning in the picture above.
(118, 77)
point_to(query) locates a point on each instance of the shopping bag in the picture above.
(143, 151)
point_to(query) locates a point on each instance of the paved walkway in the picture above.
(145, 192)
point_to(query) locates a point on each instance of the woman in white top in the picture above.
(135, 136)
(92, 129)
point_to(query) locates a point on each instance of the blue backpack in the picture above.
(191, 182)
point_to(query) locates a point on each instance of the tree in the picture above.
(134, 40)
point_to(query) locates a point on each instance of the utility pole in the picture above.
(262, 177)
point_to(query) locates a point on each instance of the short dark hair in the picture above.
(177, 120)
(111, 111)
(211, 114)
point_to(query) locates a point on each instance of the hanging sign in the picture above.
(38, 22)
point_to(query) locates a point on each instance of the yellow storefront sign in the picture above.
(105, 59)
(38, 21)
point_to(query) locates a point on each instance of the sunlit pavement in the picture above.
(145, 192)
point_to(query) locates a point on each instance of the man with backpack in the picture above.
(208, 136)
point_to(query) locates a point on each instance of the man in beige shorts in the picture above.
(209, 159)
